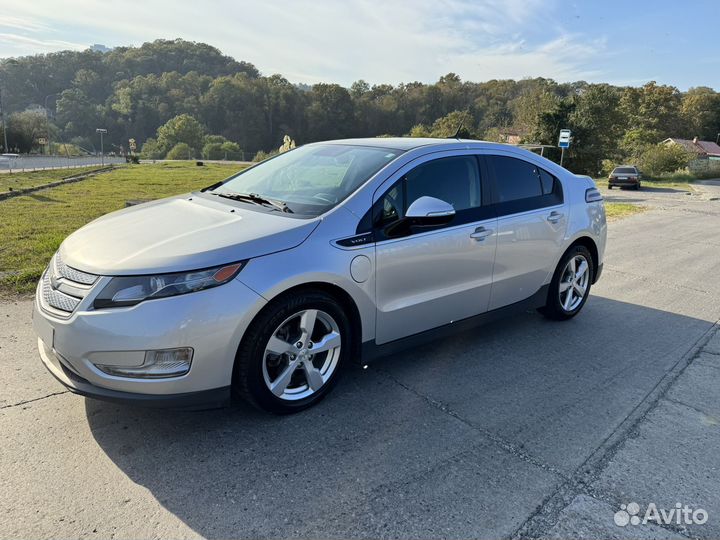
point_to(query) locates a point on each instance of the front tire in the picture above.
(570, 286)
(293, 352)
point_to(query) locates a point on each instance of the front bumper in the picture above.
(203, 399)
(212, 322)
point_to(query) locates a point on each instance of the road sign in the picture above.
(132, 144)
(564, 139)
(564, 142)
(42, 141)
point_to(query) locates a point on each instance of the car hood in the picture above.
(180, 233)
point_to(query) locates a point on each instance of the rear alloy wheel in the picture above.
(570, 286)
(292, 354)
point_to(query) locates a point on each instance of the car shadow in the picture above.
(553, 390)
(652, 189)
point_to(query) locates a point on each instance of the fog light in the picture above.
(160, 364)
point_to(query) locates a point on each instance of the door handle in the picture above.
(554, 217)
(481, 233)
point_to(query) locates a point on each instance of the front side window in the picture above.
(311, 179)
(455, 180)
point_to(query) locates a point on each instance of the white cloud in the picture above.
(313, 40)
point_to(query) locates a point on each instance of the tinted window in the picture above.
(516, 179)
(454, 180)
(624, 170)
(547, 181)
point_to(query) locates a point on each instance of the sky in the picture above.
(626, 42)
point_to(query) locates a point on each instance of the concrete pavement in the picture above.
(524, 428)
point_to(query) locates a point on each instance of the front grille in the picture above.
(56, 299)
(62, 288)
(64, 271)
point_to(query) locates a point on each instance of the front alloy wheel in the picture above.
(293, 352)
(301, 355)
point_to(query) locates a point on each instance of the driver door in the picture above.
(429, 276)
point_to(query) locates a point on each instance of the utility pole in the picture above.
(47, 120)
(2, 120)
(102, 132)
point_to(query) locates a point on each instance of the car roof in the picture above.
(410, 143)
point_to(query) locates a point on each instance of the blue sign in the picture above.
(564, 144)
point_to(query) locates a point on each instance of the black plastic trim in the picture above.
(204, 399)
(357, 240)
(371, 351)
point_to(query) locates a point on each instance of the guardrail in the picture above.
(33, 163)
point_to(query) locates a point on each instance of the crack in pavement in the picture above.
(580, 482)
(33, 400)
(503, 444)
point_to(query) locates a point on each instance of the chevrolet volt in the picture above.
(266, 285)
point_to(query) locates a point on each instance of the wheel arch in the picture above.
(335, 291)
(591, 246)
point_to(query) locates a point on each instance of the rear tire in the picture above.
(570, 285)
(278, 367)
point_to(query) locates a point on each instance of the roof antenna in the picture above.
(460, 126)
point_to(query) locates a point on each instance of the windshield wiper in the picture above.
(257, 199)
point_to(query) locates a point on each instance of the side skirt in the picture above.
(371, 351)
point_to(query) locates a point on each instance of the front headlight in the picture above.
(131, 290)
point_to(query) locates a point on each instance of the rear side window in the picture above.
(521, 186)
(516, 179)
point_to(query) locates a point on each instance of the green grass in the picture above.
(615, 210)
(33, 226)
(22, 180)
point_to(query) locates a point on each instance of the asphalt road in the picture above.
(524, 428)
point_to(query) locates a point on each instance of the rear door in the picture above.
(532, 221)
(431, 276)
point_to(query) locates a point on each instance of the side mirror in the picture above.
(429, 210)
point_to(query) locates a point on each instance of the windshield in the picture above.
(624, 170)
(311, 179)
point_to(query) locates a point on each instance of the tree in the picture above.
(330, 114)
(661, 158)
(180, 151)
(234, 107)
(448, 125)
(26, 128)
(152, 150)
(181, 129)
(700, 110)
(222, 150)
(654, 109)
(597, 125)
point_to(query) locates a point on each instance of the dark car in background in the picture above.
(625, 176)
